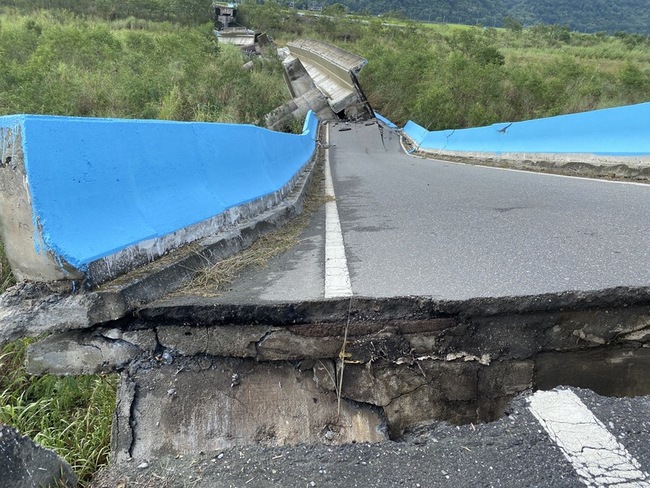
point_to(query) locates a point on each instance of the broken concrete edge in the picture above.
(26, 464)
(628, 168)
(333, 71)
(333, 401)
(208, 312)
(341, 60)
(405, 331)
(211, 467)
(369, 376)
(158, 412)
(32, 309)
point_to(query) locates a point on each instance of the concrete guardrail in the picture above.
(620, 131)
(75, 192)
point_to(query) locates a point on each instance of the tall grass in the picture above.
(71, 415)
(6, 276)
(55, 63)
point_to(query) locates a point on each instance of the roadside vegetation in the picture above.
(451, 76)
(71, 415)
(159, 59)
(53, 62)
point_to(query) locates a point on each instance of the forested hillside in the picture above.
(584, 16)
(609, 16)
(581, 15)
(486, 12)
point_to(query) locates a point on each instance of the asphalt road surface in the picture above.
(413, 226)
(514, 452)
(401, 225)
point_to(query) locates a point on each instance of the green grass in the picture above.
(64, 65)
(6, 277)
(446, 76)
(71, 415)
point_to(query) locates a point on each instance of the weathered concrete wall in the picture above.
(333, 61)
(210, 403)
(305, 95)
(395, 364)
(94, 198)
(23, 243)
(333, 71)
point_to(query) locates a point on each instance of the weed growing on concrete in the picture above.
(70, 415)
(6, 277)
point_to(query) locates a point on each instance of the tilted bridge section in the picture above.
(321, 78)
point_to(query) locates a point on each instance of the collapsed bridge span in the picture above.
(321, 78)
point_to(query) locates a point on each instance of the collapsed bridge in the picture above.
(99, 277)
(321, 78)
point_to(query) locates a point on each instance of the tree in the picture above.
(336, 10)
(512, 24)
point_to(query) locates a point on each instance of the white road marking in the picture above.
(598, 458)
(337, 276)
(540, 173)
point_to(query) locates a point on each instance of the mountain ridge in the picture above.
(632, 16)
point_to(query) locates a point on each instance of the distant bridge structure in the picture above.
(321, 78)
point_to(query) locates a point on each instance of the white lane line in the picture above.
(337, 276)
(598, 458)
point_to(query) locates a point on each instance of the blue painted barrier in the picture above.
(383, 119)
(620, 131)
(98, 186)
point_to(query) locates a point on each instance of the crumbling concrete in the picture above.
(333, 70)
(28, 465)
(305, 97)
(321, 78)
(85, 353)
(208, 403)
(32, 309)
(395, 364)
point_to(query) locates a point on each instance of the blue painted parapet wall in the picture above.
(621, 131)
(100, 187)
